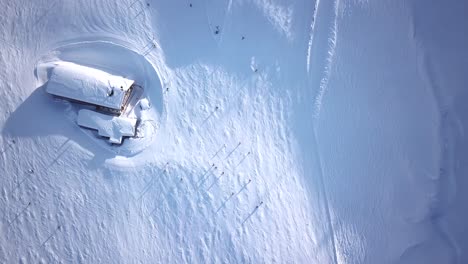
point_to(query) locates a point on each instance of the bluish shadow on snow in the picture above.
(187, 35)
(37, 116)
(40, 115)
(432, 250)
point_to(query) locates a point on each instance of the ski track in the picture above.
(311, 36)
(331, 40)
(322, 11)
(222, 26)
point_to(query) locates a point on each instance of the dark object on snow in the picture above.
(243, 37)
(112, 92)
(190, 4)
(217, 30)
(147, 4)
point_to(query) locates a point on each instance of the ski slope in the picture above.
(272, 132)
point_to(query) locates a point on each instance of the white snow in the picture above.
(113, 127)
(88, 85)
(303, 132)
(144, 104)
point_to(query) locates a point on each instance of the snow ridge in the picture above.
(311, 35)
(332, 39)
(446, 179)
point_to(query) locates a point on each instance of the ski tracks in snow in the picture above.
(319, 56)
(217, 29)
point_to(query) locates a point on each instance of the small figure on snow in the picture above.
(217, 30)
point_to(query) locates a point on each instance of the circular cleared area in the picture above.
(144, 106)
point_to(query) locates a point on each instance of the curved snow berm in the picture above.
(116, 59)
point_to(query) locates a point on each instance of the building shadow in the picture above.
(41, 115)
(37, 116)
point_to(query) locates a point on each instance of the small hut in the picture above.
(109, 93)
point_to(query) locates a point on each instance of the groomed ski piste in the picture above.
(272, 132)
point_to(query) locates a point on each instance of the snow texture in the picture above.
(276, 132)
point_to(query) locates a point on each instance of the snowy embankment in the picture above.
(279, 131)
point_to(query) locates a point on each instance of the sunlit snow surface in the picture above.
(278, 132)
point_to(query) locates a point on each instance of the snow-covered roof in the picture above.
(112, 127)
(88, 85)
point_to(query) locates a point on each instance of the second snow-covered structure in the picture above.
(112, 127)
(79, 83)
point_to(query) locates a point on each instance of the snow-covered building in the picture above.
(79, 83)
(113, 127)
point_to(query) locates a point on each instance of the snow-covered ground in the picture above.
(279, 131)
